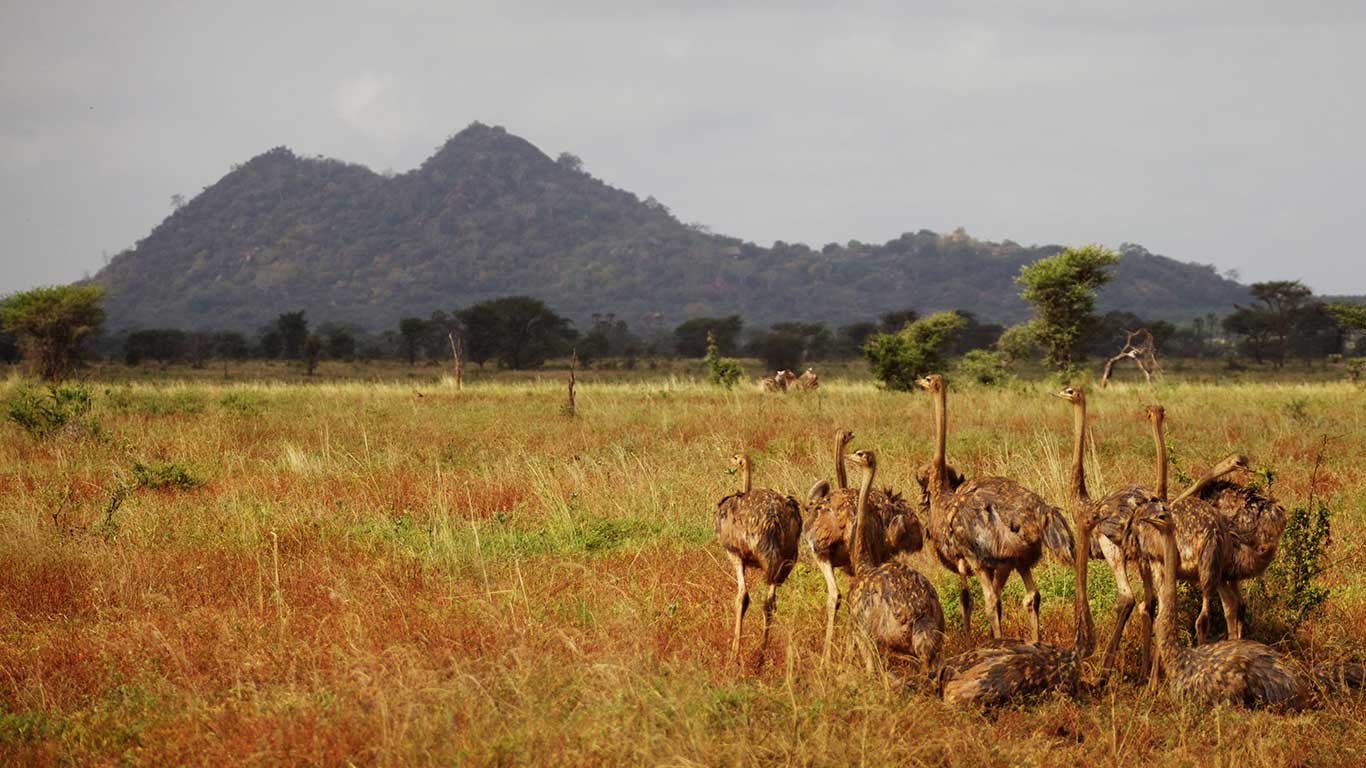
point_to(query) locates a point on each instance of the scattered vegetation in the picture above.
(375, 577)
(161, 475)
(56, 408)
(722, 371)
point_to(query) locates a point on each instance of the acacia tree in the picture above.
(1283, 308)
(521, 332)
(51, 322)
(1062, 289)
(412, 329)
(293, 328)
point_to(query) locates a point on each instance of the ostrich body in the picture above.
(758, 528)
(1240, 672)
(1011, 670)
(1202, 541)
(988, 527)
(1253, 523)
(895, 606)
(892, 529)
(1114, 514)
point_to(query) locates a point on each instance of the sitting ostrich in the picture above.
(892, 529)
(1238, 672)
(781, 381)
(758, 528)
(894, 605)
(988, 527)
(1011, 670)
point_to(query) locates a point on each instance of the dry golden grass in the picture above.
(370, 576)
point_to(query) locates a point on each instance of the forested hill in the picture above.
(490, 215)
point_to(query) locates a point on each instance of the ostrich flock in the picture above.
(1214, 535)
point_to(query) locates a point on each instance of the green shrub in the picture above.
(60, 407)
(1288, 588)
(898, 359)
(164, 475)
(984, 367)
(723, 371)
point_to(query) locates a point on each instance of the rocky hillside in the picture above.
(490, 215)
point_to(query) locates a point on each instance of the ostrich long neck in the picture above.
(861, 521)
(1167, 647)
(841, 476)
(1215, 472)
(1079, 450)
(939, 474)
(1085, 628)
(744, 475)
(1160, 446)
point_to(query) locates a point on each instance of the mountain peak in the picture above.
(489, 215)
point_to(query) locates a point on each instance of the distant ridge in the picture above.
(490, 215)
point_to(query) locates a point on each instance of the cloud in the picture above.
(376, 107)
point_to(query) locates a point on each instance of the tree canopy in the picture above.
(920, 348)
(1062, 289)
(51, 322)
(517, 331)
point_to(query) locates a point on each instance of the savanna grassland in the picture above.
(395, 573)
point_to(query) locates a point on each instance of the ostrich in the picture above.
(1240, 672)
(1114, 515)
(758, 528)
(1009, 671)
(895, 605)
(893, 529)
(1199, 531)
(988, 527)
(1203, 539)
(1254, 522)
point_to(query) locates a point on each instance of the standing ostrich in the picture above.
(988, 527)
(892, 529)
(1239, 672)
(895, 606)
(1202, 539)
(758, 528)
(1114, 515)
(1116, 512)
(1009, 671)
(1254, 522)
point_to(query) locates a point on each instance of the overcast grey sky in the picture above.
(1228, 133)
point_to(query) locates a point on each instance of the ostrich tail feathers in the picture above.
(1057, 535)
(1341, 677)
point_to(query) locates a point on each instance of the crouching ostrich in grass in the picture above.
(758, 528)
(1238, 672)
(830, 518)
(988, 527)
(1009, 671)
(894, 605)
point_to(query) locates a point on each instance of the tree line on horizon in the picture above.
(56, 326)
